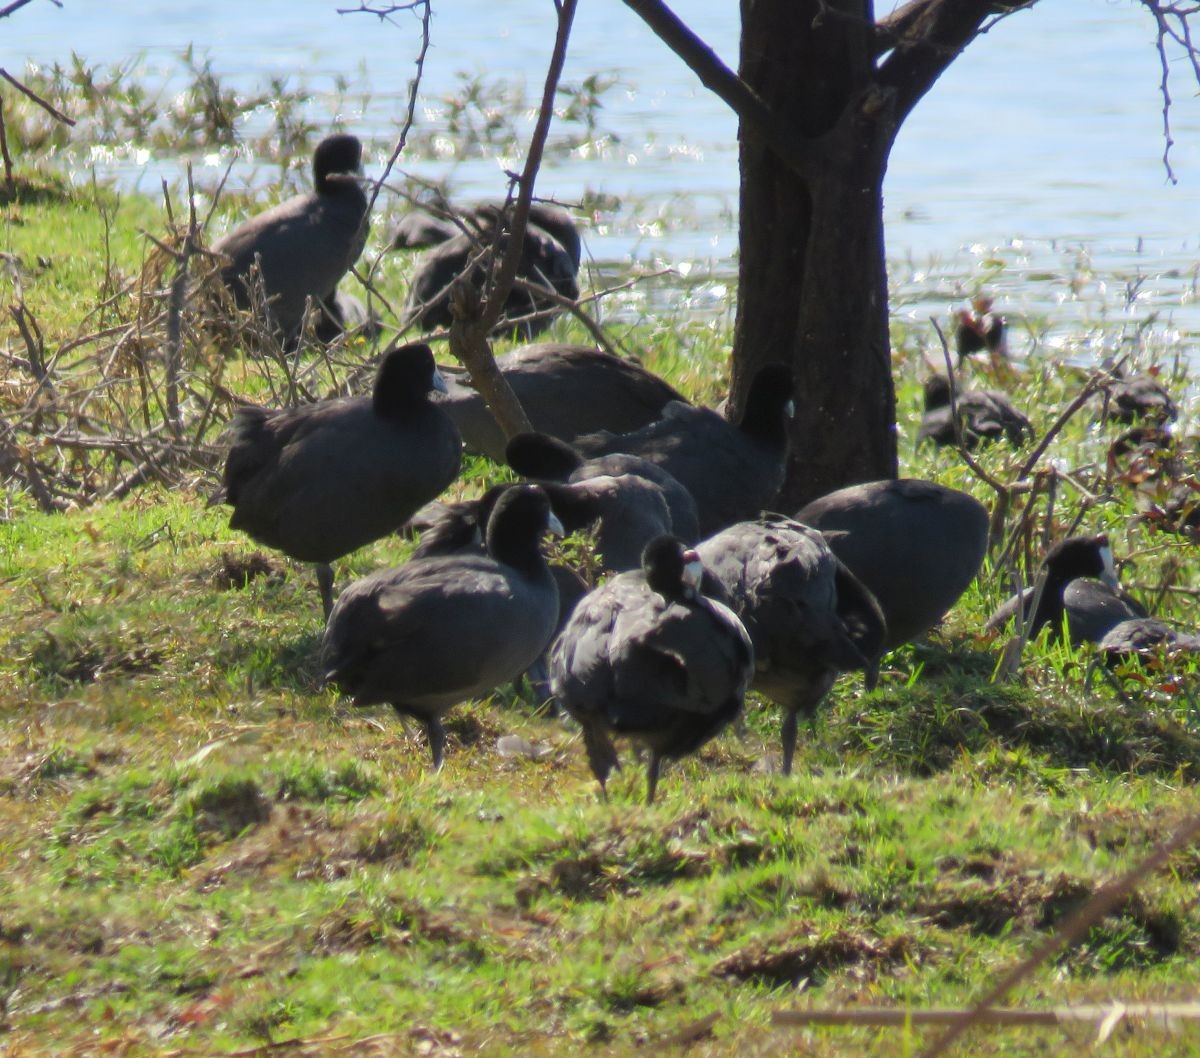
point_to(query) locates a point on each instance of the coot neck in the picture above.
(343, 189)
(514, 540)
(764, 418)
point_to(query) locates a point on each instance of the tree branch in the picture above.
(925, 37)
(787, 142)
(498, 293)
(1171, 20)
(47, 106)
(16, 5)
(473, 321)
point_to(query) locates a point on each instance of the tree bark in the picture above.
(812, 289)
(821, 92)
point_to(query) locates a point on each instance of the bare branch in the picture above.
(1108, 897)
(16, 5)
(413, 85)
(1171, 22)
(925, 37)
(384, 12)
(8, 162)
(498, 294)
(473, 319)
(787, 142)
(47, 106)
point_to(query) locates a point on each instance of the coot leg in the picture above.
(652, 775)
(437, 740)
(325, 585)
(790, 721)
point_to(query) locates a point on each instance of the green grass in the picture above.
(202, 850)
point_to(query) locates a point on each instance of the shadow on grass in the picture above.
(26, 191)
(954, 709)
(293, 665)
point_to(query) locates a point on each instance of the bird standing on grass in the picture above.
(647, 656)
(299, 250)
(438, 631)
(808, 616)
(319, 481)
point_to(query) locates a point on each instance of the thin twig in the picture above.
(1104, 900)
(1095, 1013)
(47, 106)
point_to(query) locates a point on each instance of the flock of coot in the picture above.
(708, 595)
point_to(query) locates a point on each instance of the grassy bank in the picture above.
(203, 851)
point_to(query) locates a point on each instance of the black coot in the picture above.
(300, 249)
(984, 415)
(437, 631)
(808, 617)
(322, 480)
(733, 472)
(550, 255)
(544, 458)
(566, 390)
(646, 656)
(915, 545)
(1080, 583)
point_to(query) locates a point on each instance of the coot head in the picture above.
(937, 392)
(769, 405)
(514, 529)
(1081, 556)
(405, 376)
(338, 155)
(672, 569)
(538, 455)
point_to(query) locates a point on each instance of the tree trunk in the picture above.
(812, 288)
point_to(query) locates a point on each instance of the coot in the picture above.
(915, 545)
(733, 472)
(808, 616)
(322, 480)
(437, 631)
(646, 656)
(300, 249)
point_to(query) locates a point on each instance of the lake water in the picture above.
(1034, 165)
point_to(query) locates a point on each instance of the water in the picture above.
(1034, 165)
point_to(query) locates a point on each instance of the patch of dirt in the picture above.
(991, 895)
(300, 841)
(627, 861)
(1117, 829)
(231, 807)
(473, 727)
(342, 932)
(14, 932)
(354, 927)
(88, 662)
(235, 572)
(30, 774)
(614, 869)
(731, 844)
(810, 956)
